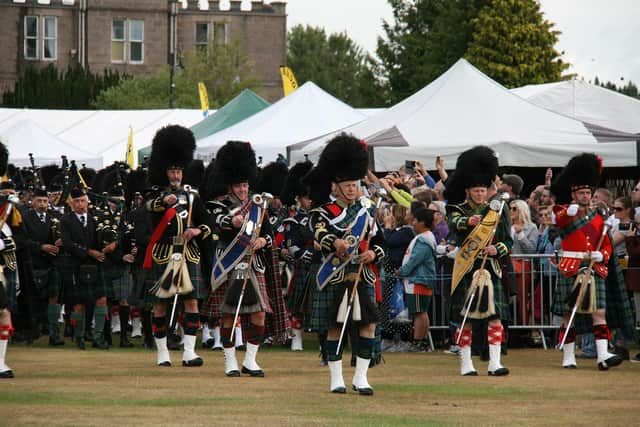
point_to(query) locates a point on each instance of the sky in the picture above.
(599, 38)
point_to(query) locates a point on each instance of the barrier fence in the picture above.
(530, 283)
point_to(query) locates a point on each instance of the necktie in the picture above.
(42, 217)
(83, 221)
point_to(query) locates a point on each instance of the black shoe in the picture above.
(253, 373)
(339, 390)
(572, 366)
(614, 360)
(234, 373)
(193, 362)
(124, 342)
(80, 343)
(470, 374)
(100, 344)
(7, 374)
(55, 341)
(500, 372)
(363, 391)
(165, 364)
(208, 343)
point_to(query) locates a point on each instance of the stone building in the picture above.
(138, 36)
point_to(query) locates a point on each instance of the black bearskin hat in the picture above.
(476, 167)
(4, 159)
(88, 175)
(344, 158)
(172, 147)
(235, 163)
(136, 183)
(293, 185)
(194, 173)
(272, 178)
(582, 171)
(48, 173)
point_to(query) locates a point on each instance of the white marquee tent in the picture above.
(306, 113)
(464, 108)
(101, 133)
(586, 102)
(26, 137)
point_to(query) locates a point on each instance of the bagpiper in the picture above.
(586, 250)
(179, 222)
(482, 234)
(351, 242)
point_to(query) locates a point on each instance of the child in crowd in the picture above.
(418, 272)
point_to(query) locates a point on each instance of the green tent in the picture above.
(246, 104)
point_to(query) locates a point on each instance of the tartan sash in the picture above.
(237, 249)
(331, 264)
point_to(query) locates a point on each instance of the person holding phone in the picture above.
(632, 276)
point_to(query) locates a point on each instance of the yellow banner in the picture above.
(289, 82)
(204, 98)
(479, 237)
(129, 155)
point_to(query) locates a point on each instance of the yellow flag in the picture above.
(204, 99)
(289, 82)
(129, 156)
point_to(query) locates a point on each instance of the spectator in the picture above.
(418, 272)
(635, 197)
(547, 199)
(512, 184)
(534, 201)
(525, 239)
(632, 278)
(440, 226)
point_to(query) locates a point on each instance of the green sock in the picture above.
(53, 313)
(100, 315)
(77, 320)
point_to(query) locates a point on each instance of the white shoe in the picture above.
(466, 364)
(136, 327)
(164, 358)
(230, 362)
(569, 356)
(189, 356)
(337, 381)
(115, 324)
(249, 365)
(495, 367)
(360, 382)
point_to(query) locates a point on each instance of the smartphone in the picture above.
(625, 227)
(410, 166)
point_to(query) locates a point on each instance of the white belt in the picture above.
(575, 254)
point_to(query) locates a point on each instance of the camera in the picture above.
(410, 166)
(627, 226)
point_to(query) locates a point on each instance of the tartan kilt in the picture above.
(456, 305)
(195, 275)
(300, 296)
(8, 297)
(121, 286)
(214, 306)
(326, 302)
(563, 290)
(77, 293)
(141, 284)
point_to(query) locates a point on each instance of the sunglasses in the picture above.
(618, 208)
(636, 189)
(513, 208)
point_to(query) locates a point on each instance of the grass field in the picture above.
(122, 387)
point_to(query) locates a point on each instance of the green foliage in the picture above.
(335, 63)
(630, 89)
(223, 68)
(425, 39)
(513, 44)
(46, 87)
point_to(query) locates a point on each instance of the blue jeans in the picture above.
(589, 345)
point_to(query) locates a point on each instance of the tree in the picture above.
(630, 89)
(335, 63)
(513, 44)
(46, 87)
(223, 68)
(425, 39)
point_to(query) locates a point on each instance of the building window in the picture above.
(202, 34)
(50, 40)
(127, 41)
(136, 41)
(220, 32)
(31, 37)
(117, 40)
(41, 35)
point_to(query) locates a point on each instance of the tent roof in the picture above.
(246, 104)
(306, 113)
(463, 108)
(25, 137)
(102, 133)
(586, 102)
